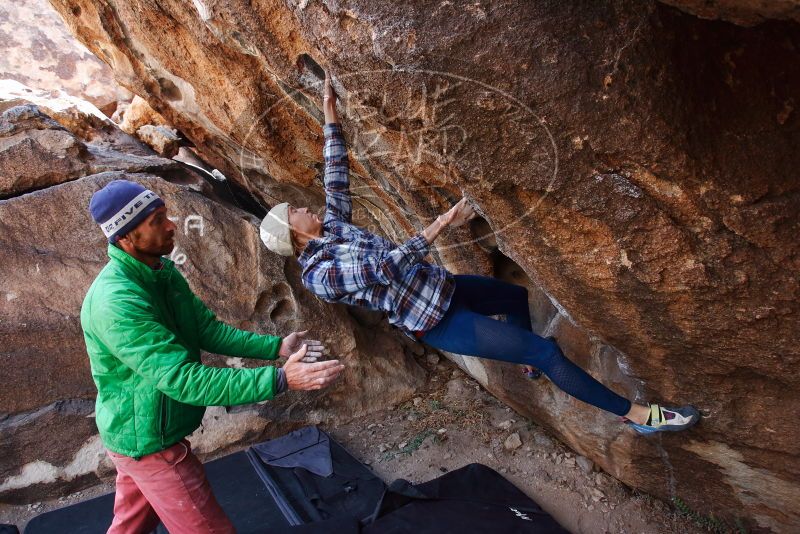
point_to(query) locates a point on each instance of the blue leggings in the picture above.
(467, 329)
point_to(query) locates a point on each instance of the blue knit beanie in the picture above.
(120, 206)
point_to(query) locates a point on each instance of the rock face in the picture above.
(139, 119)
(51, 251)
(36, 152)
(165, 141)
(29, 136)
(745, 12)
(137, 114)
(80, 117)
(36, 49)
(636, 163)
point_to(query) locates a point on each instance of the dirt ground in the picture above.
(453, 422)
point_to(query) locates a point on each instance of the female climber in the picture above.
(344, 263)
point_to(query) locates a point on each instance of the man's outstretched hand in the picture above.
(294, 341)
(309, 376)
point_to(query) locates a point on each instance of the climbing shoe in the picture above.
(667, 419)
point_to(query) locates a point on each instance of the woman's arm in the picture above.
(329, 102)
(132, 331)
(354, 270)
(338, 204)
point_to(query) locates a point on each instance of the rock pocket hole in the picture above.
(169, 90)
(283, 307)
(262, 302)
(541, 308)
(483, 234)
(508, 270)
(282, 311)
(306, 64)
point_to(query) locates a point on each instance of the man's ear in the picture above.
(125, 242)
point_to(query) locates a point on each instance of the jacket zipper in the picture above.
(164, 399)
(163, 422)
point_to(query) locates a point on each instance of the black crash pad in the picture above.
(474, 499)
(278, 487)
(313, 478)
(235, 483)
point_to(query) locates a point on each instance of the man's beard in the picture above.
(163, 250)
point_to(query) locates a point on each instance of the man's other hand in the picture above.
(309, 376)
(292, 343)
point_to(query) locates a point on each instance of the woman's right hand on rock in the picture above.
(455, 216)
(458, 214)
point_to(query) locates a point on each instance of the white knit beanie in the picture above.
(275, 232)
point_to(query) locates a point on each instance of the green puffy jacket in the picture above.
(144, 330)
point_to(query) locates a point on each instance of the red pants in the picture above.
(170, 485)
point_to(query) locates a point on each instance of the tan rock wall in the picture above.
(36, 49)
(637, 163)
(51, 251)
(745, 12)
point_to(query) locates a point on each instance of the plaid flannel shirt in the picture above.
(351, 265)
